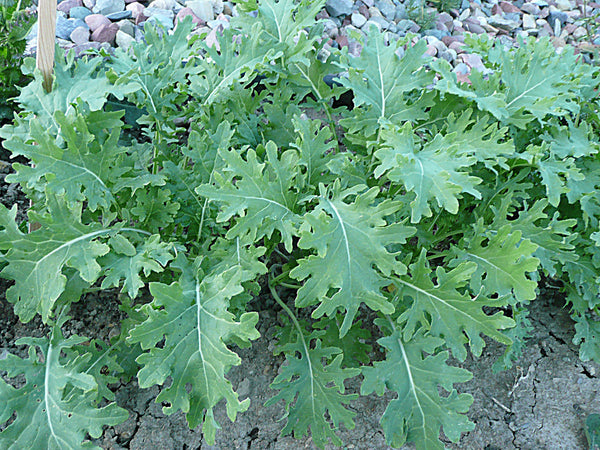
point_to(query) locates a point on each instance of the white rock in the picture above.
(202, 8)
(162, 4)
(358, 20)
(564, 5)
(124, 40)
(528, 22)
(80, 35)
(579, 32)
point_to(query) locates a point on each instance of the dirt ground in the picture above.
(541, 403)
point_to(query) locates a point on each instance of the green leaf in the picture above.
(447, 312)
(592, 431)
(554, 237)
(380, 79)
(353, 346)
(587, 336)
(263, 195)
(87, 167)
(435, 171)
(352, 263)
(418, 413)
(191, 315)
(503, 259)
(45, 418)
(312, 390)
(314, 145)
(75, 81)
(36, 261)
(150, 256)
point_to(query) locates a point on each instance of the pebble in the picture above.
(124, 40)
(105, 7)
(119, 22)
(79, 12)
(95, 21)
(80, 35)
(120, 15)
(105, 33)
(337, 8)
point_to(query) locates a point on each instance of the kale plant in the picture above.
(423, 218)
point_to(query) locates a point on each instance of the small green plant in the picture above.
(437, 208)
(15, 23)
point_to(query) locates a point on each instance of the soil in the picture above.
(541, 403)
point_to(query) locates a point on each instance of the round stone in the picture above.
(80, 35)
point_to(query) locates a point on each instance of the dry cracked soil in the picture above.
(541, 403)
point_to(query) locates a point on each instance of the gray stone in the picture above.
(502, 23)
(127, 27)
(338, 8)
(160, 19)
(64, 27)
(555, 16)
(124, 40)
(564, 5)
(79, 12)
(330, 28)
(401, 13)
(119, 15)
(80, 35)
(531, 8)
(358, 20)
(387, 8)
(202, 9)
(439, 34)
(106, 7)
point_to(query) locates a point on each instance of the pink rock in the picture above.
(184, 12)
(342, 41)
(508, 7)
(136, 9)
(496, 9)
(106, 33)
(211, 39)
(458, 47)
(364, 10)
(431, 50)
(66, 5)
(95, 21)
(473, 61)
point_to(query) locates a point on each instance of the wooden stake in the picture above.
(45, 47)
(44, 59)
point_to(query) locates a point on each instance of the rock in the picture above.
(136, 9)
(89, 4)
(108, 6)
(372, 23)
(124, 40)
(528, 22)
(81, 48)
(126, 27)
(202, 9)
(401, 13)
(188, 12)
(448, 55)
(358, 20)
(119, 15)
(431, 50)
(502, 23)
(564, 5)
(508, 7)
(66, 5)
(105, 33)
(80, 35)
(383, 24)
(579, 33)
(407, 25)
(337, 8)
(557, 16)
(458, 47)
(218, 6)
(531, 8)
(150, 12)
(330, 28)
(472, 25)
(64, 27)
(95, 21)
(387, 8)
(79, 12)
(161, 19)
(163, 4)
